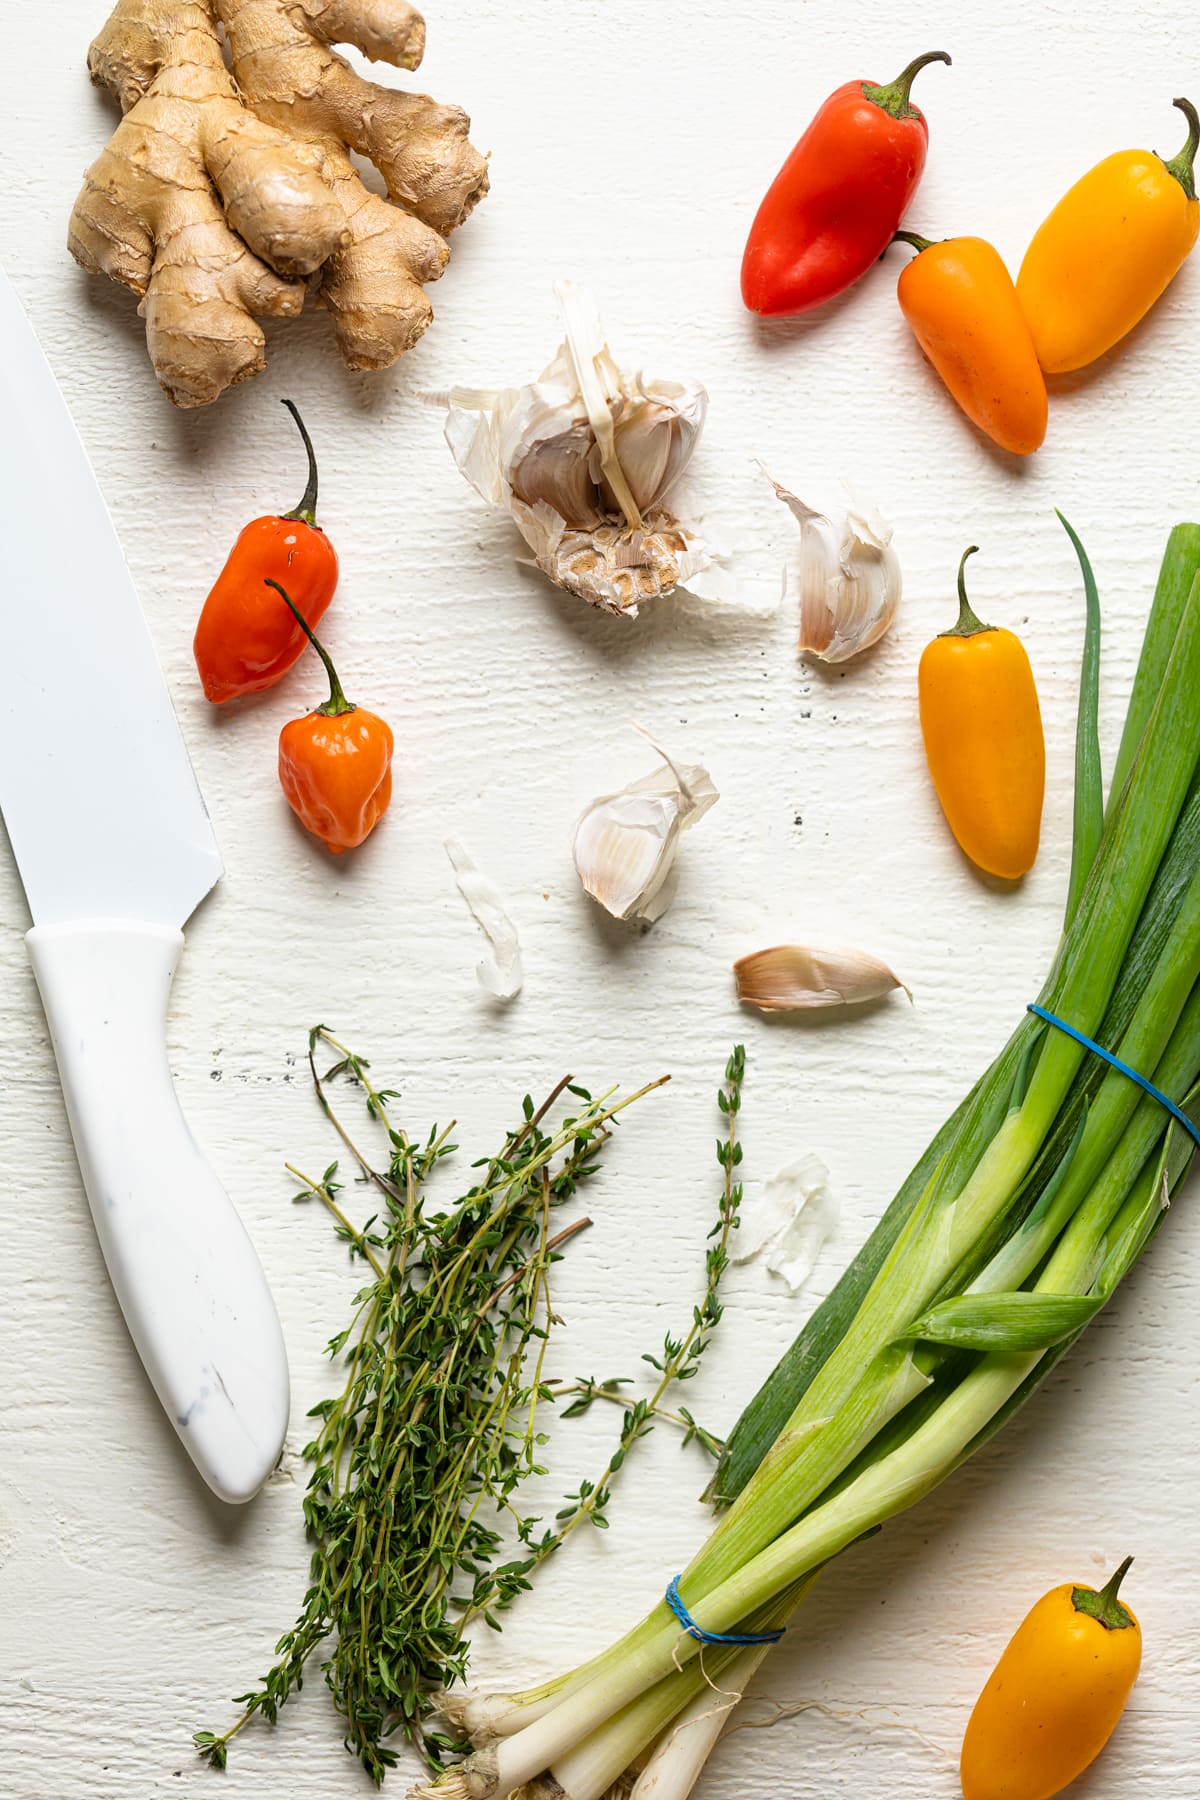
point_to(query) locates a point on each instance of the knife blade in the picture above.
(115, 851)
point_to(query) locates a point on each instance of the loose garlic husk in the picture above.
(790, 1222)
(795, 978)
(849, 577)
(625, 843)
(583, 460)
(499, 972)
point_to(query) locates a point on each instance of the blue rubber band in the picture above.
(1147, 1087)
(675, 1602)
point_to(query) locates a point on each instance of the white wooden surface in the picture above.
(629, 146)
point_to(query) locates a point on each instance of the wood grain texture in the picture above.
(629, 145)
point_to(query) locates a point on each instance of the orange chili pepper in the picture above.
(983, 739)
(961, 303)
(335, 764)
(1110, 247)
(1054, 1698)
(245, 640)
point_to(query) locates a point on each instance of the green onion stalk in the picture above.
(1014, 1229)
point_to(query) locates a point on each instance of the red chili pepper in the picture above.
(245, 639)
(834, 206)
(335, 764)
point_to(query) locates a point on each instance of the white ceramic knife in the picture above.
(115, 852)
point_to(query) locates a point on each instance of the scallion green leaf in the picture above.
(1016, 1322)
(1089, 779)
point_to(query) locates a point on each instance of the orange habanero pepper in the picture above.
(983, 739)
(1054, 1698)
(335, 764)
(961, 303)
(245, 640)
(1111, 246)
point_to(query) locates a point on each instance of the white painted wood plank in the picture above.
(629, 146)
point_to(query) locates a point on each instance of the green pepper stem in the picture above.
(337, 702)
(911, 237)
(968, 621)
(1104, 1606)
(894, 97)
(1183, 166)
(307, 509)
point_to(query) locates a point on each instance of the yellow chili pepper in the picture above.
(1108, 250)
(1054, 1698)
(983, 739)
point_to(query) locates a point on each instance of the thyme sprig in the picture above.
(417, 1463)
(680, 1359)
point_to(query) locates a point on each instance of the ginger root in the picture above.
(225, 187)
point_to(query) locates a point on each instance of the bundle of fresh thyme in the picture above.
(412, 1504)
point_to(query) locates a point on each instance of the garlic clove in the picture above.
(625, 843)
(554, 472)
(642, 443)
(795, 978)
(624, 846)
(687, 404)
(654, 438)
(848, 576)
(819, 576)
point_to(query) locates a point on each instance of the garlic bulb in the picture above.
(849, 577)
(583, 460)
(625, 843)
(792, 978)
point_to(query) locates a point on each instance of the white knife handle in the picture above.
(190, 1285)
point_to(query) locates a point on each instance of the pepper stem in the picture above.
(337, 702)
(914, 238)
(307, 509)
(894, 97)
(1183, 166)
(1104, 1606)
(968, 622)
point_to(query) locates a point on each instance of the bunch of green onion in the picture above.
(1030, 1205)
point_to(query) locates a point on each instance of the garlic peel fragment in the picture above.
(790, 1222)
(499, 972)
(795, 978)
(625, 843)
(598, 385)
(848, 577)
(582, 460)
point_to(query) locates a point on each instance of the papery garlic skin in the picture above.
(796, 978)
(790, 1222)
(849, 577)
(625, 843)
(583, 460)
(500, 973)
